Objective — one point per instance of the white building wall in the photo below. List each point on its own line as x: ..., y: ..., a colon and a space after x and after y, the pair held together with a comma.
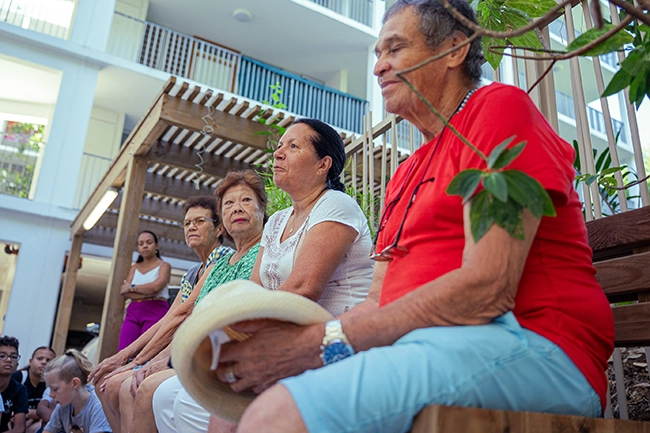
x: 33, y: 298
x: 42, y: 226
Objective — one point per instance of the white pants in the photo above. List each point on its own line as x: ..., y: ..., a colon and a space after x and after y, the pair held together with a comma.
x: 175, y: 411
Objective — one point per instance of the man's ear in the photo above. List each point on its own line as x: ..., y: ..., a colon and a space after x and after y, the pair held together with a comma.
x: 457, y: 57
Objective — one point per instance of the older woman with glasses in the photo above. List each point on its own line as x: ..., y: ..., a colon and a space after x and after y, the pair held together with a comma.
x: 203, y: 234
x: 241, y: 205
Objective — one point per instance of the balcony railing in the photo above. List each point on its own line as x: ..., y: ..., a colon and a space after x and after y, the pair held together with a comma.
x: 358, y: 10
x: 596, y: 118
x: 301, y: 96
x: 189, y: 57
x: 93, y: 168
x: 50, y: 17
x: 558, y: 28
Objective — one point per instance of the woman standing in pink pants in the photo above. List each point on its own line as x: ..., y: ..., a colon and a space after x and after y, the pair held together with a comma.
x: 146, y: 287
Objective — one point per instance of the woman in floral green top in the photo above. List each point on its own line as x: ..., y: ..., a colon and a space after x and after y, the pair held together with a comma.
x: 242, y: 207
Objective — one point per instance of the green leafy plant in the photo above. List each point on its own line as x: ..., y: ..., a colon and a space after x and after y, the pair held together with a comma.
x: 635, y: 69
x: 508, y: 15
x: 25, y: 138
x: 273, y: 131
x: 277, y: 198
x: 505, y: 193
x: 605, y: 178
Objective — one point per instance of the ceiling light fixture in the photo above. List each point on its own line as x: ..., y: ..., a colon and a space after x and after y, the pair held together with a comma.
x: 108, y: 198
x: 242, y: 15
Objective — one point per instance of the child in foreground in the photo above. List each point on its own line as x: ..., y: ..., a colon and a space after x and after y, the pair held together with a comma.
x: 79, y: 410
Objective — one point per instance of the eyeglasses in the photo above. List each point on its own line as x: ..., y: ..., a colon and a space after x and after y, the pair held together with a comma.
x: 394, y: 250
x: 198, y: 222
x: 4, y: 356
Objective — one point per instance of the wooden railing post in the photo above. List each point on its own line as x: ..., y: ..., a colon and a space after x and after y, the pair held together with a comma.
x: 127, y: 228
x: 66, y: 297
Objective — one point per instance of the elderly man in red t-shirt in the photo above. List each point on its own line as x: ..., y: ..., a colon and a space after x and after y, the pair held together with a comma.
x: 501, y: 323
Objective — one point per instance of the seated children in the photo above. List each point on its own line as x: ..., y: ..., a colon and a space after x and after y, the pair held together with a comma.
x: 32, y: 378
x: 14, y: 394
x: 79, y: 409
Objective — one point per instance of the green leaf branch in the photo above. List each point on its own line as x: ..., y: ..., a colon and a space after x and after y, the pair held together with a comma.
x: 505, y: 193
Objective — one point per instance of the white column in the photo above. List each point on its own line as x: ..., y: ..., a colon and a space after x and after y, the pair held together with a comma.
x: 59, y: 173
x: 92, y: 23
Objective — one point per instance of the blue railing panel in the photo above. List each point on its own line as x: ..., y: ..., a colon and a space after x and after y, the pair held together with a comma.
x: 302, y: 96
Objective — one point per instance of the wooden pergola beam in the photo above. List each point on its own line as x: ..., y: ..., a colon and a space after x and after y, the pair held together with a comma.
x: 138, y: 143
x: 187, y: 115
x: 155, y: 208
x: 113, y: 309
x: 179, y: 189
x: 66, y: 297
x: 162, y: 230
x: 105, y: 236
x: 176, y: 155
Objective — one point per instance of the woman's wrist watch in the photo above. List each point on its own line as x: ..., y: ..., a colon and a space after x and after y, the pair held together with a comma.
x: 335, y: 345
x: 132, y: 288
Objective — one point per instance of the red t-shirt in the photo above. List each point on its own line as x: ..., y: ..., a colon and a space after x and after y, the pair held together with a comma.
x: 558, y: 296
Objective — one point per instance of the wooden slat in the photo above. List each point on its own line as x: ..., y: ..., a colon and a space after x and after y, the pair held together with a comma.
x: 188, y: 115
x: 174, y: 188
x: 185, y: 158
x: 624, y: 278
x: 105, y: 236
x: 445, y: 419
x: 162, y: 230
x: 619, y: 234
x: 632, y: 324
x: 155, y: 208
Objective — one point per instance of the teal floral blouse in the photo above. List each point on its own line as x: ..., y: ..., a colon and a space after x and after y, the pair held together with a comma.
x: 224, y: 272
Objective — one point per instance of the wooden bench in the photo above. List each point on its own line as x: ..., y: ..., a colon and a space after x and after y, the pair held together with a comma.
x: 621, y: 246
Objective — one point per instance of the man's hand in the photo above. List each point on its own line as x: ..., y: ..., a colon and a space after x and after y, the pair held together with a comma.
x: 106, y: 367
x: 275, y: 351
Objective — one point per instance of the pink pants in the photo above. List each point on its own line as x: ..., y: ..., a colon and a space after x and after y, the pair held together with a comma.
x: 141, y: 316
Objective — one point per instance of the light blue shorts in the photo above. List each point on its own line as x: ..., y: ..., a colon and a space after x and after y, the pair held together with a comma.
x: 497, y: 366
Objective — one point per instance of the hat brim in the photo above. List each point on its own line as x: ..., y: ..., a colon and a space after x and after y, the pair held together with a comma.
x: 230, y: 303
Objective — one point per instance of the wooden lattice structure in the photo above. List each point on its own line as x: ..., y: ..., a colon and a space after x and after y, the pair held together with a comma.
x: 186, y: 142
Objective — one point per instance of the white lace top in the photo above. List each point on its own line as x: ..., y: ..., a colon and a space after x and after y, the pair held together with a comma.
x: 351, y: 281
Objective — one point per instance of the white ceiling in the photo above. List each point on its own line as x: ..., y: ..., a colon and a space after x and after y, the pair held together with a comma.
x: 25, y: 82
x: 282, y: 33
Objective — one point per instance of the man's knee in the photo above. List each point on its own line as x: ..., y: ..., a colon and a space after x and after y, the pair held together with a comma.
x: 275, y: 411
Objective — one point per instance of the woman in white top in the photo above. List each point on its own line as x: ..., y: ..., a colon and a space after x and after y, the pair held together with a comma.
x: 319, y: 246
x: 146, y: 287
